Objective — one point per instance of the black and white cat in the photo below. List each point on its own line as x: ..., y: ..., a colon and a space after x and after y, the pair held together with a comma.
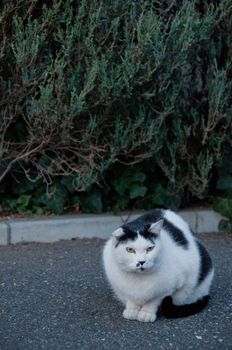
x: 156, y: 259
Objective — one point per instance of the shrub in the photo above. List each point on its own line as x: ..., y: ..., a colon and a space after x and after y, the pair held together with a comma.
x: 223, y: 197
x: 89, y: 86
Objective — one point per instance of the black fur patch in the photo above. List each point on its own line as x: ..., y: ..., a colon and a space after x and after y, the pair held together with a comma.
x: 144, y: 221
x: 128, y: 235
x: 176, y: 234
x: 141, y: 225
x: 206, y: 262
x: 131, y: 236
x: 169, y: 310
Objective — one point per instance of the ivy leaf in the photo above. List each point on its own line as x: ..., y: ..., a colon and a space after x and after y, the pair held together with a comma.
x: 121, y: 185
x: 138, y: 177
x: 24, y: 200
x: 159, y: 196
x: 137, y: 191
x: 67, y: 181
x: 223, y: 206
x: 54, y: 199
x: 127, y: 180
x: 22, y: 187
x: 38, y: 210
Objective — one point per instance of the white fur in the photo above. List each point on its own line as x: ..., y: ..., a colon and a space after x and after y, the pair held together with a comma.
x: 168, y: 270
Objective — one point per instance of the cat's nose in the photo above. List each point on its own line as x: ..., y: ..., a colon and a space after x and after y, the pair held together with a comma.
x: 141, y: 262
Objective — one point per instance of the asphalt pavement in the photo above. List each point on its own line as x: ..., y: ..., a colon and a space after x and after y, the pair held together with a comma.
x: 55, y: 296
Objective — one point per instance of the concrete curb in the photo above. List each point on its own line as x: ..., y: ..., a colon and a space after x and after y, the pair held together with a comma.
x: 88, y: 226
x: 4, y: 233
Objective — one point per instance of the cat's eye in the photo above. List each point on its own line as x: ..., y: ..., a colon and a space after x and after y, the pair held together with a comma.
x: 149, y: 249
x: 130, y: 250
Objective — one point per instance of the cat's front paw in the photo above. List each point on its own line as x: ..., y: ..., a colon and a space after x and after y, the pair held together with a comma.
x: 145, y: 316
x: 130, y: 314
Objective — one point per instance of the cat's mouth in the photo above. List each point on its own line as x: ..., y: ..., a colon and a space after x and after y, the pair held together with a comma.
x: 142, y: 269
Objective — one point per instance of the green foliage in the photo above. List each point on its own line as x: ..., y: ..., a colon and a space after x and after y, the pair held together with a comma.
x: 131, y: 182
x: 223, y: 201
x: 54, y: 198
x: 21, y: 205
x: 112, y: 105
x: 92, y: 202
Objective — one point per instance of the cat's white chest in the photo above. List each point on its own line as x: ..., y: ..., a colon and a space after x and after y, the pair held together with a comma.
x: 141, y: 288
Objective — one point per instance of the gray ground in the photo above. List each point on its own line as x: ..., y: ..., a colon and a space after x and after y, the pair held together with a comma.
x: 54, y: 296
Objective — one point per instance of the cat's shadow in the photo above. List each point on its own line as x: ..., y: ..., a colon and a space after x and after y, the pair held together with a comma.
x: 105, y: 304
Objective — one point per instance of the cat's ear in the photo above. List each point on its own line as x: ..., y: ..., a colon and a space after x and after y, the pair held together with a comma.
x: 156, y: 227
x: 118, y: 233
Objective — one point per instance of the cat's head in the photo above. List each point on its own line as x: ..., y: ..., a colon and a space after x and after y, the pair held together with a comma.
x: 137, y: 250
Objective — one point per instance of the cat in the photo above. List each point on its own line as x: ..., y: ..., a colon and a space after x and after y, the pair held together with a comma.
x: 154, y: 260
